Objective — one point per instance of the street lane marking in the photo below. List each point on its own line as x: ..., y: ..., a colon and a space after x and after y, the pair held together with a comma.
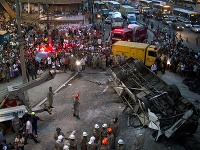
x: 105, y: 89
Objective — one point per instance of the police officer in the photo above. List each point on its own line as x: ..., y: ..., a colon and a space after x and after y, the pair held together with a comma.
x: 50, y: 97
x: 76, y: 106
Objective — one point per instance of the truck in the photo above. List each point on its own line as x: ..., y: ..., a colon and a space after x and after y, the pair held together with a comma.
x: 151, y: 102
x: 15, y: 101
x: 141, y: 51
x: 117, y: 20
x: 134, y: 33
x: 125, y: 10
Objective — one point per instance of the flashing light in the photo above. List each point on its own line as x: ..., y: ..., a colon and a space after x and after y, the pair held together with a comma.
x: 42, y: 49
x: 98, y: 16
x: 192, y: 15
x: 78, y: 63
x: 168, y: 62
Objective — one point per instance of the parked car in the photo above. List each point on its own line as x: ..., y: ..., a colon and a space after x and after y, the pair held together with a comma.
x: 173, y: 18
x: 195, y: 28
x: 108, y: 20
x: 177, y: 26
x: 167, y: 21
x: 187, y: 24
x: 137, y: 12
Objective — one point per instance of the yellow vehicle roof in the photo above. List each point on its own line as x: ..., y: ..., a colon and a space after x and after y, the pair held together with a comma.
x: 131, y: 44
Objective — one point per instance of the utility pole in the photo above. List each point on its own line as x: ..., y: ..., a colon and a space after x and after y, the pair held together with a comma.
x: 21, y: 42
x: 47, y: 11
x: 22, y: 58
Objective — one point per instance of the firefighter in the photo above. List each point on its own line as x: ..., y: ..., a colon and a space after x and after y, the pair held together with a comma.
x: 120, y: 145
x: 91, y: 145
x: 76, y: 106
x: 111, y: 139
x: 73, y: 143
x: 50, y: 97
x: 57, y: 133
x: 105, y: 145
x: 104, y: 131
x: 59, y: 143
x: 84, y: 140
x: 97, y: 133
x: 115, y: 127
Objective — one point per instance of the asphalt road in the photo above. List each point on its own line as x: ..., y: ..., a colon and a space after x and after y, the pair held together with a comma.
x: 186, y: 33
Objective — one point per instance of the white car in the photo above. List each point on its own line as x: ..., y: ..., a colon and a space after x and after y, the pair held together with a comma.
x: 187, y: 24
x: 195, y: 28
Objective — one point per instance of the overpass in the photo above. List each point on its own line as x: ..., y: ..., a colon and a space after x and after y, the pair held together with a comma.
x: 7, y: 8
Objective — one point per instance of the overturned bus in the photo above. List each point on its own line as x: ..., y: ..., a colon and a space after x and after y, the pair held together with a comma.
x: 152, y: 102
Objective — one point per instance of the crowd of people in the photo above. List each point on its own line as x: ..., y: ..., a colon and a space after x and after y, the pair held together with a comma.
x: 64, y: 45
x: 178, y: 57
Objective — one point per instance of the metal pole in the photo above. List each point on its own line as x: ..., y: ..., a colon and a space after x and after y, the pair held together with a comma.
x: 47, y: 11
x: 21, y: 42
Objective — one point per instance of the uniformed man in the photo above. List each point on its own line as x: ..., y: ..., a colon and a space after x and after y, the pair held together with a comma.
x: 105, y: 145
x: 104, y: 62
x: 114, y: 125
x: 111, y: 139
x: 104, y: 131
x: 97, y: 133
x: 73, y: 143
x: 120, y: 145
x: 84, y: 141
x: 59, y: 143
x: 91, y: 145
x: 57, y: 133
x: 50, y: 97
x: 100, y: 57
x: 76, y: 106
x: 94, y: 62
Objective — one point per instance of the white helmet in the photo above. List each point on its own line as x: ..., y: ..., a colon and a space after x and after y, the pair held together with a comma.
x: 60, y: 137
x: 66, y: 147
x: 85, y: 134
x: 72, y: 137
x: 91, y: 140
x: 96, y: 126
x: 104, y: 125
x: 120, y: 141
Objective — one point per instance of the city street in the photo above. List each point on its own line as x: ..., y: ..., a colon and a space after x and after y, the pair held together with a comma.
x: 80, y: 55
x: 99, y: 103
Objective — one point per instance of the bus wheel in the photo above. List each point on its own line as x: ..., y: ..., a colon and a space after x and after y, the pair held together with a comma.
x: 2, y: 128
